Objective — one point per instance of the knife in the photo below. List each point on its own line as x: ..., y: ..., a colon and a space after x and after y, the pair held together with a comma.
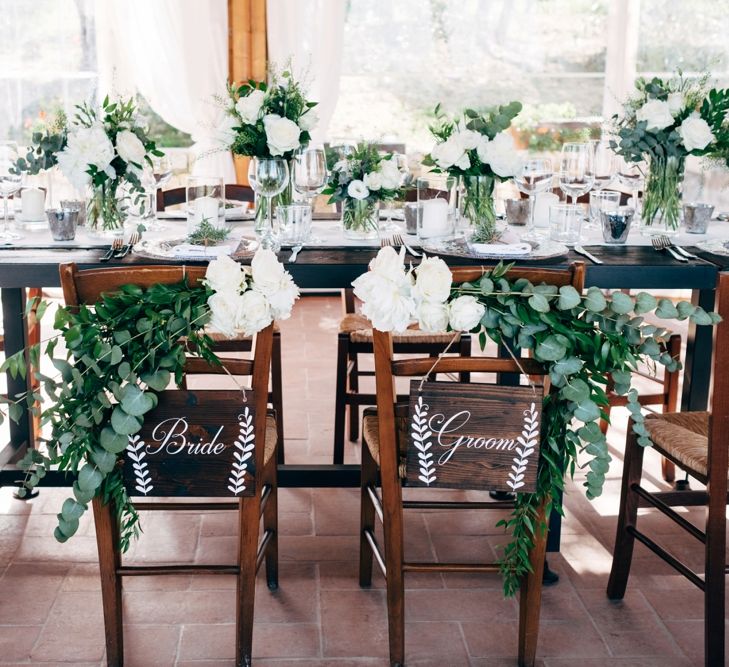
x: 581, y: 251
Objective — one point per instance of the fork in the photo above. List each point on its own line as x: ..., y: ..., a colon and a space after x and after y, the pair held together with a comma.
x: 133, y: 240
x: 659, y: 243
x: 115, y: 247
x: 386, y: 241
x: 397, y: 239
x: 667, y: 242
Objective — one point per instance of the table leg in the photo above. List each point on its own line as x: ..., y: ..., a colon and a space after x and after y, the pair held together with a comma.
x: 15, y: 334
x: 697, y: 366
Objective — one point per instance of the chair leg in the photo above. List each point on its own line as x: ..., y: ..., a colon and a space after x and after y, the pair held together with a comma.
x: 714, y: 594
x: 530, y: 598
x: 464, y: 349
x: 277, y: 391
x: 395, y: 580
x: 627, y: 517
x: 111, y: 589
x: 368, y: 477
x: 340, y: 402
x: 250, y: 509
x: 353, y: 408
x: 270, y: 523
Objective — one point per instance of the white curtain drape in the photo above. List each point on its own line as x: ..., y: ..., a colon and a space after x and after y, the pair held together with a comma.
x: 621, y: 55
x: 175, y: 54
x: 310, y: 33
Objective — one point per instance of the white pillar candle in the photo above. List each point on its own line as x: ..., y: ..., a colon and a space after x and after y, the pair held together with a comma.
x: 541, y: 208
x: 206, y: 208
x: 433, y: 218
x: 32, y: 204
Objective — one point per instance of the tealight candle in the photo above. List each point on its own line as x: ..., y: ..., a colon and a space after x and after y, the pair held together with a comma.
x: 433, y: 218
x: 32, y: 204
x: 541, y: 208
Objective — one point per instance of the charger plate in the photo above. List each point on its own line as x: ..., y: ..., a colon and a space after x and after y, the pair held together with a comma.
x: 459, y: 247
x: 166, y: 249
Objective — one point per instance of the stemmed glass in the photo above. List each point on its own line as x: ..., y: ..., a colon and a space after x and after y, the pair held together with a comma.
x: 157, y: 176
x: 9, y: 184
x: 632, y: 175
x: 533, y: 177
x: 406, y: 179
x: 310, y: 173
x: 268, y: 177
x: 604, y: 165
x: 576, y: 172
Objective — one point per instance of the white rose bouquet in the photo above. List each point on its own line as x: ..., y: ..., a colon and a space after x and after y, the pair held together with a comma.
x: 359, y: 182
x: 394, y: 296
x: 478, y: 149
x: 104, y: 149
x: 663, y: 123
x: 246, y: 300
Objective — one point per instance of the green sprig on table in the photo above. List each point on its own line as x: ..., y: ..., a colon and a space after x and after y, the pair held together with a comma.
x: 207, y: 234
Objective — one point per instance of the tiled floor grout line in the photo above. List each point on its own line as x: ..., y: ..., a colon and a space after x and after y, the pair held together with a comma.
x: 662, y: 623
x: 317, y: 576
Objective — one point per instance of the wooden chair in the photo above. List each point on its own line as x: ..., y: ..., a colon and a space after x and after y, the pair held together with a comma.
x: 696, y: 443
x: 86, y: 287
x: 355, y: 338
x: 236, y: 192
x: 175, y: 196
x: 382, y: 456
x: 666, y: 396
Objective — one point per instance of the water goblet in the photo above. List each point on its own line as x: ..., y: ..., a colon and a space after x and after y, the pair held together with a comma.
x: 268, y: 177
x: 10, y: 184
x: 576, y: 171
x: 533, y: 177
x: 604, y: 165
x: 310, y: 173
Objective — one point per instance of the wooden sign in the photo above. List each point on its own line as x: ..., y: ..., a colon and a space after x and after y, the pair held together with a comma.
x: 194, y: 443
x: 473, y: 436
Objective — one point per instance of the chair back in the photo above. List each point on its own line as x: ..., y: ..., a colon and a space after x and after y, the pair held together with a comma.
x: 193, y: 443
x: 387, y: 369
x: 174, y: 196
x: 718, y: 456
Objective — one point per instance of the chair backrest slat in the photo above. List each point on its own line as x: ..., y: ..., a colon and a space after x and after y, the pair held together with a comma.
x: 421, y: 366
x: 175, y: 196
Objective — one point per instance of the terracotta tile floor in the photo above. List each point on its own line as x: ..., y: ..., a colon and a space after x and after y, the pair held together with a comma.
x: 50, y: 604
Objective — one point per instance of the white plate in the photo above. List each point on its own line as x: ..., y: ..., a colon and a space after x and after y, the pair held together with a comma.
x: 715, y: 246
x: 458, y: 247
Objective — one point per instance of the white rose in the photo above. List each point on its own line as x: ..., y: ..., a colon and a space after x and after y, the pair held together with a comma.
x: 390, y: 306
x: 250, y: 106
x: 432, y: 316
x: 656, y: 114
x: 282, y: 300
x: 225, y: 275
x: 469, y: 139
x: 309, y: 120
x: 391, y: 176
x: 465, y: 313
x: 266, y: 271
x: 373, y: 180
x: 225, y: 312
x: 129, y: 147
x: 675, y: 103
x: 432, y: 280
x: 225, y: 133
x: 389, y: 264
x: 695, y: 133
x: 254, y: 313
x: 282, y: 134
x: 500, y: 154
x: 450, y: 153
x: 86, y: 146
x: 357, y: 190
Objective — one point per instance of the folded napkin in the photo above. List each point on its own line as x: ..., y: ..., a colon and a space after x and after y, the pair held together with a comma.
x: 191, y: 250
x: 501, y: 249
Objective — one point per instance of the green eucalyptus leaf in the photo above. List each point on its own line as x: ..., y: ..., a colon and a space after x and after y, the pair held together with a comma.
x: 89, y: 478
x: 666, y: 310
x: 587, y: 411
x: 112, y: 441
x: 644, y: 303
x: 701, y: 317
x: 72, y: 509
x: 136, y: 402
x: 551, y: 349
x: 67, y: 527
x: 621, y: 303
x: 539, y: 303
x: 123, y: 423
x: 157, y: 380
x: 569, y: 298
x: 60, y: 537
x: 105, y: 461
x: 595, y: 300
x: 576, y: 390
x: 81, y: 495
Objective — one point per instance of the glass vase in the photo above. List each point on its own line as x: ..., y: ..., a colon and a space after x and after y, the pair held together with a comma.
x: 360, y: 219
x: 105, y: 210
x: 661, y: 213
x: 477, y: 207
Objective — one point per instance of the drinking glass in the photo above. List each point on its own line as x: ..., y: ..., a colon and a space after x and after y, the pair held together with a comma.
x: 604, y: 165
x: 533, y: 177
x: 565, y: 222
x: 602, y: 200
x: 9, y: 184
x: 205, y: 201
x: 632, y: 175
x: 157, y: 175
x: 294, y: 223
x: 310, y: 173
x: 268, y: 177
x: 576, y: 172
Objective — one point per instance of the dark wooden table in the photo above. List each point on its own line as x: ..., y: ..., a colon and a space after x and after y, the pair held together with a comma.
x: 625, y: 267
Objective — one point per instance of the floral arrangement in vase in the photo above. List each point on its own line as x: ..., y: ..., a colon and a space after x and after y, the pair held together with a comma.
x: 359, y: 181
x: 267, y: 120
x: 478, y: 149
x: 47, y: 140
x: 105, y: 150
x: 665, y: 121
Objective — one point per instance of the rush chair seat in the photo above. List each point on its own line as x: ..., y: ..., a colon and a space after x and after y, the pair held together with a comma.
x: 86, y: 287
x: 696, y: 443
x: 383, y: 456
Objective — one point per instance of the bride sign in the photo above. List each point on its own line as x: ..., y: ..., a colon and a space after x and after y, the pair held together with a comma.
x: 198, y: 443
x: 473, y: 436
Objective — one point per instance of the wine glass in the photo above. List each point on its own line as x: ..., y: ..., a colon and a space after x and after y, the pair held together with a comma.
x: 268, y: 177
x: 310, y: 173
x: 406, y: 178
x: 576, y: 173
x: 10, y: 184
x: 157, y: 176
x: 604, y: 165
x: 632, y: 176
x: 533, y: 177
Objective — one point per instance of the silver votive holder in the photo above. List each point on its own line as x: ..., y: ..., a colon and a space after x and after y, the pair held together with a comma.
x: 517, y: 211
x: 616, y: 224
x: 78, y: 205
x: 696, y: 217
x: 62, y: 222
x: 410, y: 211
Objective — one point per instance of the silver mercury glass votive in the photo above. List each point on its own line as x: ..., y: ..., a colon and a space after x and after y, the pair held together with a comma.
x: 62, y: 222
x: 616, y: 224
x: 696, y: 217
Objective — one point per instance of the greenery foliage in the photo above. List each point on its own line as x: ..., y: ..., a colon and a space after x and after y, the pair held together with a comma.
x: 207, y: 234
x: 46, y: 142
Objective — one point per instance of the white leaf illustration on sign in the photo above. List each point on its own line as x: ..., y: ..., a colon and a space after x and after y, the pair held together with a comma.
x: 527, y: 443
x: 421, y: 438
x: 136, y: 453
x: 244, y: 445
